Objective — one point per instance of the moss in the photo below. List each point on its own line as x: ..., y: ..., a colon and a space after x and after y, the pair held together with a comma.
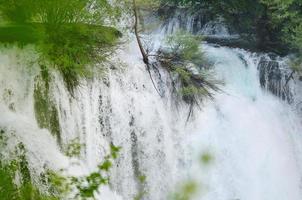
x: 45, y: 110
x: 23, y: 164
x: 74, y: 148
x: 142, y: 191
x: 7, y: 187
x: 45, y: 76
x: 58, y: 185
x: 187, y: 191
x: 3, y: 141
x: 25, y: 191
x: 206, y: 158
x: 8, y: 99
x: 41, y: 107
x: 54, y: 123
x: 18, y: 167
x: 2, y: 134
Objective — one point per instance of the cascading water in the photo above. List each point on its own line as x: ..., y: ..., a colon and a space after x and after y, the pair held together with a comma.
x: 120, y: 107
x: 253, y: 135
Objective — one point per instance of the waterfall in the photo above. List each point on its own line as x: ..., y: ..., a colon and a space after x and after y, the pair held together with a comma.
x: 118, y: 106
x: 253, y: 135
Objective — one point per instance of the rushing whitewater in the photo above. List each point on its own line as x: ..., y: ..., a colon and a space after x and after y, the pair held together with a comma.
x: 119, y: 107
x: 253, y: 136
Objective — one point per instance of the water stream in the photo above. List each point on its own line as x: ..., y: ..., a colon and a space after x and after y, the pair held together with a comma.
x: 254, y: 136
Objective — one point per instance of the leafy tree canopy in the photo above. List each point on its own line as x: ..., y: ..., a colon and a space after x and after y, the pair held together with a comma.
x: 273, y: 24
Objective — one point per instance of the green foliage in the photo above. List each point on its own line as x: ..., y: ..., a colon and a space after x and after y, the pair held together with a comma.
x: 297, y: 36
x: 59, y: 185
x: 74, y: 148
x: 186, y: 47
x: 206, y: 158
x: 185, y: 61
x: 296, y: 64
x: 145, y: 4
x: 15, y: 181
x: 273, y: 25
x: 186, y: 192
x: 22, y: 164
x: 9, y: 190
x: 88, y: 185
x: 57, y: 11
x: 23, y: 34
x: 243, y: 13
x: 68, y: 34
x: 45, y: 111
x: 141, y: 193
x: 16, y: 11
x: 3, y: 139
x: 73, y: 47
x: 287, y: 16
x: 18, y: 161
x: 83, y: 187
x: 114, y: 151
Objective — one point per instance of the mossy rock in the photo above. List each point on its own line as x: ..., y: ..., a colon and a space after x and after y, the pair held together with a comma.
x: 45, y: 110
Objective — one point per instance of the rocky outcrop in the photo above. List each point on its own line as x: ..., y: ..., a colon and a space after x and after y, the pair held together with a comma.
x: 275, y: 78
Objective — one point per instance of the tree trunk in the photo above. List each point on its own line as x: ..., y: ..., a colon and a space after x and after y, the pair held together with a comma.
x: 139, y: 42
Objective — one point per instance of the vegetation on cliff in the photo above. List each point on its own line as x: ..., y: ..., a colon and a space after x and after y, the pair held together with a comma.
x: 182, y: 58
x: 69, y: 35
x: 189, y: 69
x: 274, y: 25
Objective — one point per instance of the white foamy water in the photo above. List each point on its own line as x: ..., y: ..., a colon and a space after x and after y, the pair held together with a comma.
x: 254, y: 137
x: 118, y: 106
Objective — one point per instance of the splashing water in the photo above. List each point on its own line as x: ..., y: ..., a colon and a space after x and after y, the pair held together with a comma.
x: 254, y: 136
x: 120, y: 107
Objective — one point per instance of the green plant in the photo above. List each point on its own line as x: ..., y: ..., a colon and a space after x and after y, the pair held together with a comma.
x: 9, y: 190
x: 74, y: 148
x: 45, y: 110
x: 15, y: 181
x: 83, y: 187
x: 189, y: 69
x: 287, y: 16
x: 206, y: 158
x: 86, y: 186
x: 69, y: 35
x: 142, y: 192
x: 186, y: 191
x: 186, y: 47
x: 58, y: 185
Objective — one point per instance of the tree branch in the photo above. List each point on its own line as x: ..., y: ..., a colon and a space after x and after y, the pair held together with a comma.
x: 136, y: 31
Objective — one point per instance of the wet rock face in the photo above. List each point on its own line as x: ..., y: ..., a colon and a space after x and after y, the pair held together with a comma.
x: 275, y: 79
x: 185, y: 19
